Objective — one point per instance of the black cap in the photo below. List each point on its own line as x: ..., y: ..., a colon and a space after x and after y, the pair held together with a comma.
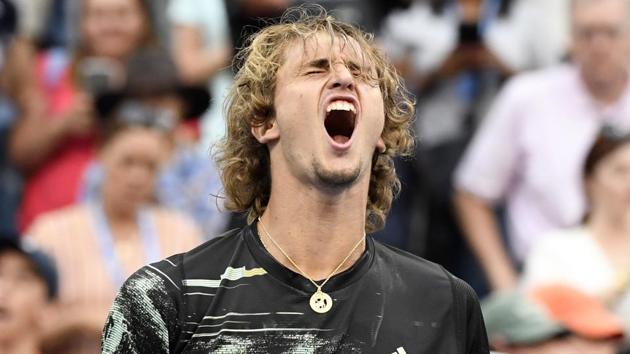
x: 152, y: 72
x: 8, y: 19
x: 44, y: 265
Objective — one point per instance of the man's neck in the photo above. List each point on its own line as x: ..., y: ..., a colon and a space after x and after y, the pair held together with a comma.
x: 316, y: 230
x: 606, y: 93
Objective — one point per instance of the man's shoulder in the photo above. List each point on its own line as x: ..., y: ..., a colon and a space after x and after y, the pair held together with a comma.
x: 439, y: 288
x: 412, y: 268
x: 539, y: 82
x: 205, y: 259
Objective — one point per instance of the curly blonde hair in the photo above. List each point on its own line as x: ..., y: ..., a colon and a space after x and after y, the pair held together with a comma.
x: 244, y: 162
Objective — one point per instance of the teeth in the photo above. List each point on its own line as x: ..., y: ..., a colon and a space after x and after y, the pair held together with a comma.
x: 340, y: 105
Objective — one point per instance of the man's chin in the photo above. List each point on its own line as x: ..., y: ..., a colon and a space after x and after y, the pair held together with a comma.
x: 337, y: 178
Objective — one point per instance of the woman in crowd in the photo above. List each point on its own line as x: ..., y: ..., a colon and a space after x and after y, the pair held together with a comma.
x: 97, y: 245
x: 594, y: 256
x: 53, y: 138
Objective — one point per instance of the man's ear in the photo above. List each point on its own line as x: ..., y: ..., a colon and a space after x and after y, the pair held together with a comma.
x: 380, y: 145
x: 266, y: 132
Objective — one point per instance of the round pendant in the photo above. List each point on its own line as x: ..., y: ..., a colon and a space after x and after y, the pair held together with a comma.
x: 321, y: 302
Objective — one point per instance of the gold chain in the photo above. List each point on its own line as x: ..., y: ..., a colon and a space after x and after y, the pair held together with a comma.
x: 319, y: 287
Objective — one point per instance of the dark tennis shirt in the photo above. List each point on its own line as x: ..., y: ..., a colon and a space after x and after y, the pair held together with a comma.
x: 230, y: 295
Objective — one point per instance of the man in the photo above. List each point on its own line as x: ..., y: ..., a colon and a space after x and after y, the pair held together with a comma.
x: 529, y: 151
x: 314, y: 118
x: 28, y: 282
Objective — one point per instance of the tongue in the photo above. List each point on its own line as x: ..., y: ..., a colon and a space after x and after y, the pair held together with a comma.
x: 341, y: 139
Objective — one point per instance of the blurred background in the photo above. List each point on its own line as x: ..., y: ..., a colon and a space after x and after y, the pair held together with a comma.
x: 519, y: 184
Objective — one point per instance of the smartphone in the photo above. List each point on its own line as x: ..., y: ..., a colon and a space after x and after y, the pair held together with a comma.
x: 469, y: 33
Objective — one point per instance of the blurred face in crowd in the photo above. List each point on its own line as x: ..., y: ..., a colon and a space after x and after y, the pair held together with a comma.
x: 601, y: 39
x: 131, y: 160
x: 23, y: 297
x: 609, y: 186
x: 113, y: 28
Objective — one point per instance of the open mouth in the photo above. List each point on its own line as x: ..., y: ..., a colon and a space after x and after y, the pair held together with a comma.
x: 340, y: 120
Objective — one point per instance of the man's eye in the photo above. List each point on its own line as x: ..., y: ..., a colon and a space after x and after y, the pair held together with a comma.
x: 313, y: 72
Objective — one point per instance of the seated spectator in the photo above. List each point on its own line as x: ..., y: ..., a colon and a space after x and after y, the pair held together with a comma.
x: 188, y: 181
x: 553, y: 319
x: 593, y: 256
x: 28, y: 285
x: 56, y: 112
x: 530, y: 148
x: 98, y: 244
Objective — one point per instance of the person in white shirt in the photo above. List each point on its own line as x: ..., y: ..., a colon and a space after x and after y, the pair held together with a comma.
x: 529, y: 150
x: 593, y: 257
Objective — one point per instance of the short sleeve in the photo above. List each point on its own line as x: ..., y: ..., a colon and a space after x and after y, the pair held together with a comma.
x: 427, y: 38
x: 490, y: 162
x: 144, y: 315
x: 183, y: 12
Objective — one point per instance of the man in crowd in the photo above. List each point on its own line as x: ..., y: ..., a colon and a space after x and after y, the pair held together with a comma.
x: 529, y: 151
x: 315, y: 116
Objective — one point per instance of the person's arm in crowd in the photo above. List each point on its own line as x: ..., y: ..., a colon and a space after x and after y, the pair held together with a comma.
x: 485, y: 177
x: 480, y: 228
x: 35, y: 137
x: 195, y: 62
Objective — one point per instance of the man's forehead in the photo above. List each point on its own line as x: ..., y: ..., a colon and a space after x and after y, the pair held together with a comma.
x: 323, y: 45
x: 600, y: 10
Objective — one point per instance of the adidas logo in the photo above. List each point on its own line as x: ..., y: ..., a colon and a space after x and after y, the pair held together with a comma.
x: 400, y: 350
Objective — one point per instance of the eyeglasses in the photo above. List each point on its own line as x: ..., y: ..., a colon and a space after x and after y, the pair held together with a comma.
x: 614, y: 133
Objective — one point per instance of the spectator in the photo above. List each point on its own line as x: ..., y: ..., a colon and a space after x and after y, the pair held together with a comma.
x: 28, y: 285
x: 202, y: 48
x: 551, y: 319
x: 530, y: 148
x: 189, y: 181
x: 593, y: 257
x: 98, y: 244
x: 455, y: 54
x: 60, y: 102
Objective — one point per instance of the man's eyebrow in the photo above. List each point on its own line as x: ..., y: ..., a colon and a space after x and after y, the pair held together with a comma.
x: 351, y: 64
x: 321, y: 63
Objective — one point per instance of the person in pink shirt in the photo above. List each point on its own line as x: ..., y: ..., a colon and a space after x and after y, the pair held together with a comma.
x: 529, y: 150
x: 99, y: 243
x: 53, y: 139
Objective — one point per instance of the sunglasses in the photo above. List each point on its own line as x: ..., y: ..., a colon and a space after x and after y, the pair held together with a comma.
x: 614, y: 133
x: 140, y: 114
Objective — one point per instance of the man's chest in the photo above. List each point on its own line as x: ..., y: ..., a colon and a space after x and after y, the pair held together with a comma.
x: 259, y: 318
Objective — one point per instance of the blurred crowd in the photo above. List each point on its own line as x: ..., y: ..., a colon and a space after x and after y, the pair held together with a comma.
x: 520, y: 182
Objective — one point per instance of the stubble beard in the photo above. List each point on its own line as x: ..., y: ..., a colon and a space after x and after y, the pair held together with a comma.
x: 336, y: 179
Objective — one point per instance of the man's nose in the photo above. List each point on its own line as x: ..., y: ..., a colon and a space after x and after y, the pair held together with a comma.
x: 342, y: 78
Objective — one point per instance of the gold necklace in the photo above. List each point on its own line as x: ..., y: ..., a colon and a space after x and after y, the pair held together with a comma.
x: 320, y: 301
